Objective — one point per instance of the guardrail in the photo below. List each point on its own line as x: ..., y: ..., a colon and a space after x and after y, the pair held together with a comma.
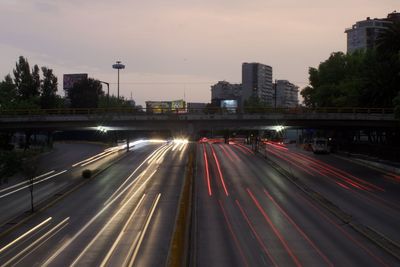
x: 247, y: 110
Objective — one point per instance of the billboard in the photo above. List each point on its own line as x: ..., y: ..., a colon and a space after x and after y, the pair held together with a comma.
x: 70, y: 79
x: 178, y: 106
x: 230, y: 105
x: 158, y: 107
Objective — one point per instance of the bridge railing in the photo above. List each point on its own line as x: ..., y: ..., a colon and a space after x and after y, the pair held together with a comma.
x: 209, y: 110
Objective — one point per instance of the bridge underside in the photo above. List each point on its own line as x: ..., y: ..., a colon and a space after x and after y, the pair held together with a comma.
x: 192, y: 123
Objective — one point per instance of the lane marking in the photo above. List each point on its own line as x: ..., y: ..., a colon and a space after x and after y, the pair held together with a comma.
x: 25, y: 234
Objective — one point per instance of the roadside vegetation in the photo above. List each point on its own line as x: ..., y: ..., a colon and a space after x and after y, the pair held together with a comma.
x: 366, y: 78
x: 35, y: 88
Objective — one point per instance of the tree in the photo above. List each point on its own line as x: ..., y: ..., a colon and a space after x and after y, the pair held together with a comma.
x: 308, y: 95
x: 396, y: 102
x: 30, y: 169
x: 361, y: 79
x: 389, y: 40
x: 27, y: 83
x: 48, y: 89
x: 211, y: 108
x: 381, y: 79
x: 8, y: 93
x: 85, y: 94
x: 113, y: 102
x: 254, y: 104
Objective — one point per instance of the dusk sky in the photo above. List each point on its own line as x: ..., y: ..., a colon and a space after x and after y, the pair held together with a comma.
x: 176, y: 46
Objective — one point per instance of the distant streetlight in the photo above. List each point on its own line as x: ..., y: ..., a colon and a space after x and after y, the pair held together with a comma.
x: 108, y: 92
x: 118, y: 66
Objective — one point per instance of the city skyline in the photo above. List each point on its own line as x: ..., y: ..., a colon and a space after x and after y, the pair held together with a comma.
x: 180, y: 49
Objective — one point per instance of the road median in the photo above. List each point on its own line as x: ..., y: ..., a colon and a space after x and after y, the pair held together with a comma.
x: 180, y: 241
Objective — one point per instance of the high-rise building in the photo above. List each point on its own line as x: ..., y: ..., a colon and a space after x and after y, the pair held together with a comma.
x: 257, y: 81
x: 224, y: 90
x: 287, y: 94
x: 363, y: 34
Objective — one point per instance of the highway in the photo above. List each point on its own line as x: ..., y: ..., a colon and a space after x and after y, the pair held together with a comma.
x: 55, y: 171
x: 123, y: 217
x: 248, y: 214
x: 245, y: 212
x: 371, y: 196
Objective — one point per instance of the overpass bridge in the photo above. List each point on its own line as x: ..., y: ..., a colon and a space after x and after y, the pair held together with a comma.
x: 131, y: 119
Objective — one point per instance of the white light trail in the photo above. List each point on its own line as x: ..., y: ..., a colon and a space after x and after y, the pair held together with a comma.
x: 62, y: 248
x: 24, y: 182
x: 162, y: 156
x: 114, y: 245
x: 144, y: 231
x: 36, y: 242
x: 131, y: 175
x: 37, y: 182
x: 159, y: 152
x: 25, y: 234
x: 102, y: 230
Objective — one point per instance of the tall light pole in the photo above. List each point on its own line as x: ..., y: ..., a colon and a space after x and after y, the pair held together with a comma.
x: 118, y: 66
x: 108, y: 92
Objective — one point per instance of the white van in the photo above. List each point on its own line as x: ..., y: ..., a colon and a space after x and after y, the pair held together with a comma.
x: 320, y: 145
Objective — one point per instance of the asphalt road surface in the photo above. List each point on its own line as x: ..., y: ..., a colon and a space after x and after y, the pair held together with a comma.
x: 123, y: 217
x: 371, y: 196
x: 248, y: 214
x: 54, y: 171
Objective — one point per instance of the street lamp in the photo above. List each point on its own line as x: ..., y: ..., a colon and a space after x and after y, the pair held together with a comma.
x: 118, y: 66
x: 108, y: 92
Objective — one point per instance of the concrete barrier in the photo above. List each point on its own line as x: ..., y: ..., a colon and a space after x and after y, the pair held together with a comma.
x: 179, y: 247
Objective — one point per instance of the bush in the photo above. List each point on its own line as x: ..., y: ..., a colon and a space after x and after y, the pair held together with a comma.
x: 10, y: 163
x: 86, y: 174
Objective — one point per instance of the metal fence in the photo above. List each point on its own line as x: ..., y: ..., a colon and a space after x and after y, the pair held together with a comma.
x: 143, y: 111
